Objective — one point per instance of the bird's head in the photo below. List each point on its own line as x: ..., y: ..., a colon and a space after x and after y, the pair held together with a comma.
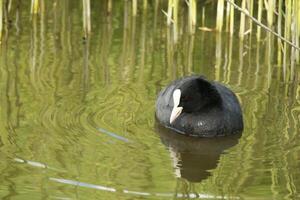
x: 193, y: 96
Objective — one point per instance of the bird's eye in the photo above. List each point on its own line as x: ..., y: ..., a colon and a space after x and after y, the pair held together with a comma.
x: 185, y: 98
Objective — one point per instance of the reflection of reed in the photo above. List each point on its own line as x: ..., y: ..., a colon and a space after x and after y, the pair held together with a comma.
x: 241, y: 62
x: 228, y: 58
x: 85, y: 66
x: 132, y: 43
x: 143, y: 43
x: 34, y: 51
x: 129, y: 41
x: 12, y: 90
x: 107, y: 35
x: 171, y: 58
x: 269, y: 56
x: 218, y: 55
x: 189, y: 53
x: 180, y: 51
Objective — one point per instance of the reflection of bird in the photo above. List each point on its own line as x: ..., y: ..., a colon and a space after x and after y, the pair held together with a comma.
x: 198, y: 107
x: 192, y: 159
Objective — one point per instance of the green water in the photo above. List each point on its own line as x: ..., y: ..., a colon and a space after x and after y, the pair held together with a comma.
x: 77, y: 116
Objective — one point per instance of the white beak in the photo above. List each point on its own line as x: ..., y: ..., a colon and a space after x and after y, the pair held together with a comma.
x: 176, y: 110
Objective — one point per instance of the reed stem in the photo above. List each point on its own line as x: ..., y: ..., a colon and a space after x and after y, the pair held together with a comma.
x: 1, y: 19
x: 296, y: 25
x: 231, y: 29
x: 86, y: 17
x: 170, y: 11
x: 250, y: 8
x: 279, y: 28
x: 175, y: 19
x: 34, y: 6
x: 220, y: 14
x: 270, y: 12
x: 203, y: 16
x: 192, y: 15
x: 228, y: 8
x: 109, y: 6
x: 259, y: 16
x: 9, y: 6
x: 134, y: 7
x: 145, y: 4
x: 242, y: 20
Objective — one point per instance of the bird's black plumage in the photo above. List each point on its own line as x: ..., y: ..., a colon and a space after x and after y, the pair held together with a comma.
x: 209, y: 108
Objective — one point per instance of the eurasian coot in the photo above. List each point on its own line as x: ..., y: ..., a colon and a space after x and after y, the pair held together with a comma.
x: 198, y: 107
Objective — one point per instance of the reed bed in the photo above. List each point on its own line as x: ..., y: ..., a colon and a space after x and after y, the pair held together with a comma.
x: 280, y: 18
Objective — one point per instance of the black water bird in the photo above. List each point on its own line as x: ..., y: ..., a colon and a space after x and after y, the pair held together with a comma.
x: 198, y: 107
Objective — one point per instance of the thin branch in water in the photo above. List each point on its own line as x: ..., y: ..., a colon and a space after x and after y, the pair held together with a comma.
x: 167, y: 15
x: 247, y: 32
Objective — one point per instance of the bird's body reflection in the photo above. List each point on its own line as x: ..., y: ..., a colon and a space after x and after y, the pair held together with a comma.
x: 193, y: 158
